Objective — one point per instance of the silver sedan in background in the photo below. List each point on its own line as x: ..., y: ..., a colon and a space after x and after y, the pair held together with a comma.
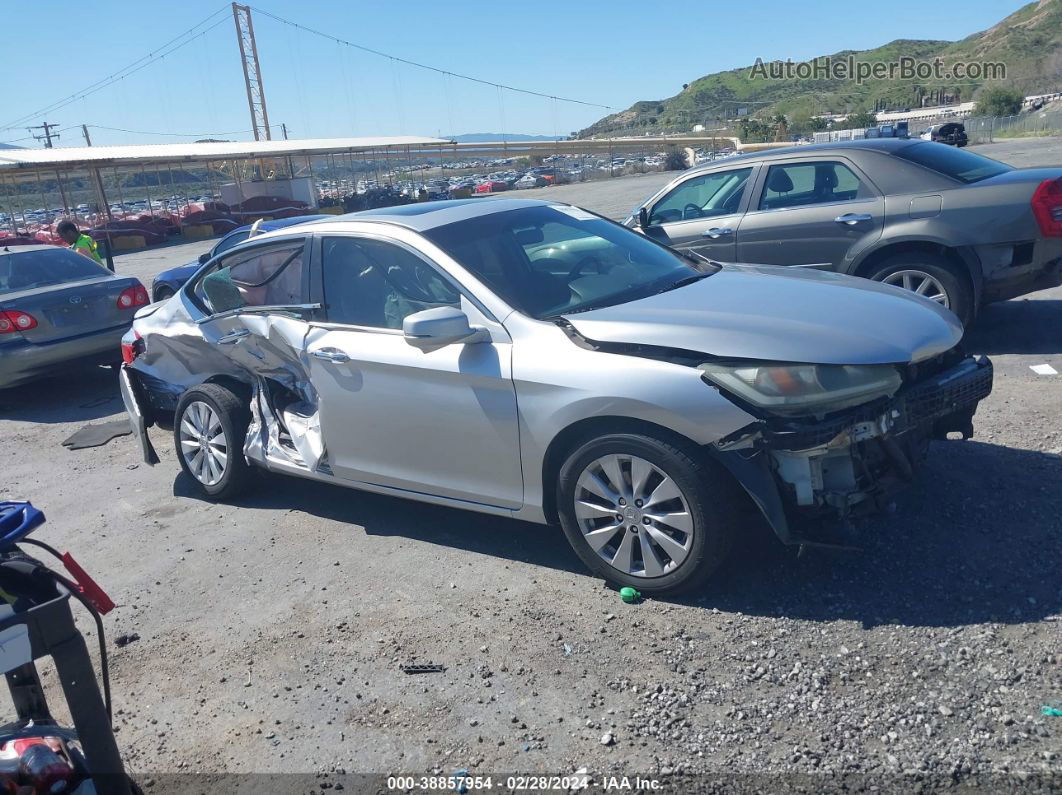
x: 533, y: 360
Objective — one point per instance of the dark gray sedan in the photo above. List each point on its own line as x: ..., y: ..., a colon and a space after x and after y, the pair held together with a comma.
x: 948, y: 224
x: 58, y: 308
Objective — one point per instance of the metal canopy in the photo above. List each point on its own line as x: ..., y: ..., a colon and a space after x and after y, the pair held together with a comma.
x: 147, y: 154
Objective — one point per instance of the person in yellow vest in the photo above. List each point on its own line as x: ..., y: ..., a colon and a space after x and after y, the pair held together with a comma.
x: 82, y: 244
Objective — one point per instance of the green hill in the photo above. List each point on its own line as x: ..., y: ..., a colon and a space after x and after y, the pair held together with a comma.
x: 1028, y: 42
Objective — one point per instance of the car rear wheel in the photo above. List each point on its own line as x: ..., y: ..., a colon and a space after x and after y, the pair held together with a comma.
x: 645, y: 513
x: 209, y: 431
x: 931, y: 276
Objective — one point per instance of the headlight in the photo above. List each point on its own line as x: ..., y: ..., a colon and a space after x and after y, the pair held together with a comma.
x: 804, y: 388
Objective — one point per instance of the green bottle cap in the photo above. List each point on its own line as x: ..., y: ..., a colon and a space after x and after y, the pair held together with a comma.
x: 629, y: 595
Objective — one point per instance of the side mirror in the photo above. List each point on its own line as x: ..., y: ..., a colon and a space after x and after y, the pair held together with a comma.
x: 435, y: 328
x: 204, y: 257
x: 643, y: 217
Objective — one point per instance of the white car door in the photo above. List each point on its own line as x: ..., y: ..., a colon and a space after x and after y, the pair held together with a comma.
x: 442, y: 422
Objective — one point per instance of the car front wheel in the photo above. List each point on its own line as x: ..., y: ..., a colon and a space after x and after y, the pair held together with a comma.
x: 646, y: 513
x: 209, y: 431
x: 163, y: 293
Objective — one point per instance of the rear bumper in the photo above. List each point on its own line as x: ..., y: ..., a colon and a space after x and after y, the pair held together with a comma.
x: 1023, y: 280
x: 135, y: 405
x: 23, y: 361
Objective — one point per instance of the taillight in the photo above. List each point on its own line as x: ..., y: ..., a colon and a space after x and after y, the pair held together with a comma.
x: 130, y: 350
x: 12, y: 320
x: 1047, y: 207
x: 133, y: 296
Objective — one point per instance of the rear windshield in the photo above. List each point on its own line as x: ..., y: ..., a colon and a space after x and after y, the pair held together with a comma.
x: 952, y: 161
x: 25, y: 270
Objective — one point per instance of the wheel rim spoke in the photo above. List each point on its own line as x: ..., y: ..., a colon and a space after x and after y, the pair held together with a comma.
x: 590, y: 510
x: 640, y: 472
x: 666, y: 491
x: 676, y: 551
x: 611, y: 467
x: 920, y: 283
x: 650, y: 561
x: 597, y: 539
x: 679, y: 520
x: 624, y: 554
x: 593, y: 483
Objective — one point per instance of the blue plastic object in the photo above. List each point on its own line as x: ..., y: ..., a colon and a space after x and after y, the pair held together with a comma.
x: 17, y: 520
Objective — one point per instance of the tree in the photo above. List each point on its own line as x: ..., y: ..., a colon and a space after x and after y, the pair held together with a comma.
x: 999, y: 101
x: 675, y: 160
x: 861, y: 118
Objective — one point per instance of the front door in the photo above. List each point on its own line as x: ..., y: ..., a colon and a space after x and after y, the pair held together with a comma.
x: 817, y: 213
x: 702, y: 213
x: 442, y: 422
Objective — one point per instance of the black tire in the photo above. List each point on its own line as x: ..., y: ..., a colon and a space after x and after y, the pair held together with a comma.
x: 708, y: 491
x: 234, y: 416
x: 162, y: 293
x: 956, y: 284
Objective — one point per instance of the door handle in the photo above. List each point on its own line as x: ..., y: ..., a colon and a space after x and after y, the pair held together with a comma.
x: 233, y: 336
x: 853, y: 218
x: 331, y: 355
x: 716, y: 232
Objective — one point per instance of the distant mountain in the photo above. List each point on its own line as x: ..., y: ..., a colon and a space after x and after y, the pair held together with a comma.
x: 476, y: 138
x: 11, y: 146
x: 1028, y: 42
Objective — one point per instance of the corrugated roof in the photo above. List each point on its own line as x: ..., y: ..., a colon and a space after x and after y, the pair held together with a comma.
x: 75, y: 156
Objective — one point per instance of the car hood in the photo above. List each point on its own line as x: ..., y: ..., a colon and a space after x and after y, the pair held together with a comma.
x: 773, y: 313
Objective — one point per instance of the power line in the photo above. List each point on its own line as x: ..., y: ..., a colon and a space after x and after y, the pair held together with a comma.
x: 171, y: 134
x: 394, y: 58
x: 126, y: 71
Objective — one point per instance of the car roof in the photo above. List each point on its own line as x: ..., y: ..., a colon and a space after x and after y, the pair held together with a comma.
x: 885, y: 145
x: 422, y: 216
x: 23, y: 249
x: 280, y: 223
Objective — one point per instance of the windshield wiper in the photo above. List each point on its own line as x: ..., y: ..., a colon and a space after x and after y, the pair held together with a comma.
x: 683, y: 282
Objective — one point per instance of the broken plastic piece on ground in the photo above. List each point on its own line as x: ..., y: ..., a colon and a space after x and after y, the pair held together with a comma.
x: 1052, y: 710
x: 96, y: 435
x: 630, y: 595
x: 430, y: 668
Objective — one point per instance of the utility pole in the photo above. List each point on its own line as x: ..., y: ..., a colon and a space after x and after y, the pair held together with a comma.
x: 101, y: 198
x: 252, y: 72
x: 284, y: 129
x: 48, y: 134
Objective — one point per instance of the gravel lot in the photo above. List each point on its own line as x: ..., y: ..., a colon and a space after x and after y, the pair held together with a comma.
x: 271, y: 631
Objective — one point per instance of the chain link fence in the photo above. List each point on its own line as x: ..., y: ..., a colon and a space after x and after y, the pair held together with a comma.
x: 986, y: 129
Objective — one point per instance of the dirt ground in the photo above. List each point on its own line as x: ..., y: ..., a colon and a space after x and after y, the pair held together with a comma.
x: 271, y: 631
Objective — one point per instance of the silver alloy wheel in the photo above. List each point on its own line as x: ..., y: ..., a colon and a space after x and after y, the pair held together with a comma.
x: 919, y: 282
x: 633, y: 515
x: 203, y: 443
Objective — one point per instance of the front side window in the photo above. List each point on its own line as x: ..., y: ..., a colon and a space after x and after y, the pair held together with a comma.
x: 376, y: 284
x: 706, y: 196
x: 259, y: 277
x: 799, y: 184
x: 550, y: 260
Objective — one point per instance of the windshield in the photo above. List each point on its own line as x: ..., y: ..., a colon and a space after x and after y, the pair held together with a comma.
x: 552, y: 260
x: 26, y: 270
x: 953, y: 162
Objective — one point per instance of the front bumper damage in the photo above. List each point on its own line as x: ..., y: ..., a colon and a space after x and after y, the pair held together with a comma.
x: 853, y: 461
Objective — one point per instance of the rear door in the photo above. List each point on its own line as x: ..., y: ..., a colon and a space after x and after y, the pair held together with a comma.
x: 811, y: 212
x: 703, y: 212
x: 67, y: 294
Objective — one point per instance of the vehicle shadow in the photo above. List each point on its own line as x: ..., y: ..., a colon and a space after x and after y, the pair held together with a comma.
x: 1017, y: 327
x: 381, y: 515
x: 976, y: 539
x: 79, y: 394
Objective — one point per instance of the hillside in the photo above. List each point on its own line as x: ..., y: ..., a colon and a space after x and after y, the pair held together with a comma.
x: 1029, y: 42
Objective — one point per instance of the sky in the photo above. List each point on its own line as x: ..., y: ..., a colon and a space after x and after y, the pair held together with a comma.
x: 608, y: 52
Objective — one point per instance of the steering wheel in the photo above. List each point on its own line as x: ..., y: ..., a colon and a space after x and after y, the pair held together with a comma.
x: 691, y: 210
x: 573, y: 274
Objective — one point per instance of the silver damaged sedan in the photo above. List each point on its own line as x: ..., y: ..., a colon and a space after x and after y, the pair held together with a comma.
x: 533, y: 360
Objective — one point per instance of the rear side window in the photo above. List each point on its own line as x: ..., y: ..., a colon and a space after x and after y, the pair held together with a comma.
x: 259, y: 277
x: 45, y: 267
x: 376, y: 284
x: 952, y: 162
x: 798, y: 184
